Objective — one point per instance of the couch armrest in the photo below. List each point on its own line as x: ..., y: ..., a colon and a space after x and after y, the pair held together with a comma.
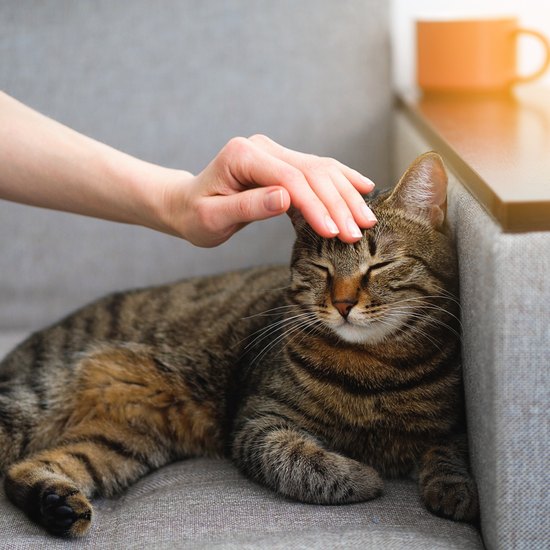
x: 505, y: 296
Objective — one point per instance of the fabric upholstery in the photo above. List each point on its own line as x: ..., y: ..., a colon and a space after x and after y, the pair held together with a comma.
x: 203, y: 504
x: 506, y: 317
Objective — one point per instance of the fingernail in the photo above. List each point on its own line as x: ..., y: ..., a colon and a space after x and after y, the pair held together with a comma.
x: 331, y: 226
x: 353, y: 228
x: 368, y: 181
x: 367, y: 212
x: 274, y: 201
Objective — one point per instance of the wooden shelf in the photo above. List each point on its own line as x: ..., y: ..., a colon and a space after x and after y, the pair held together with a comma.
x: 499, y: 145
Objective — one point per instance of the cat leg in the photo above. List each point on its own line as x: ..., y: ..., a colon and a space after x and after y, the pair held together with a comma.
x: 273, y: 451
x: 16, y: 424
x: 446, y: 485
x: 54, y: 486
x: 125, y: 418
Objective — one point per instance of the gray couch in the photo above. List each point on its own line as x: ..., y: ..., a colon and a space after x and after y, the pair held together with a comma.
x: 171, y: 82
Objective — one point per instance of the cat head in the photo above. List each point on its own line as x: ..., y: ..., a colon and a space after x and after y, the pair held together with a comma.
x: 402, y: 268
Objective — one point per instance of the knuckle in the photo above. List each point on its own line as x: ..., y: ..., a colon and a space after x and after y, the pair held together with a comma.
x: 236, y: 147
x: 294, y: 178
x: 340, y: 205
x: 259, y: 139
x: 245, y: 207
x: 316, y: 164
x: 330, y: 164
x: 311, y: 162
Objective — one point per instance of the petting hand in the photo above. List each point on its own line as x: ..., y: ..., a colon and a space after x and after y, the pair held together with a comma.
x: 47, y: 164
x: 256, y: 178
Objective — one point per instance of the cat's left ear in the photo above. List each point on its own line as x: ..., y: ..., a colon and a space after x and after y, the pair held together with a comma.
x: 298, y: 221
x: 422, y: 190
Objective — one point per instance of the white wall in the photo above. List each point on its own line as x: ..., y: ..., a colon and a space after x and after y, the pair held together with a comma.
x: 534, y: 14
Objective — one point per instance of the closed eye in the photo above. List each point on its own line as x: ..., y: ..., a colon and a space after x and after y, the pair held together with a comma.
x: 325, y: 269
x: 374, y: 267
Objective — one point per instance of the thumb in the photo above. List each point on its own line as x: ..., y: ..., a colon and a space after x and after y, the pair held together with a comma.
x: 252, y: 205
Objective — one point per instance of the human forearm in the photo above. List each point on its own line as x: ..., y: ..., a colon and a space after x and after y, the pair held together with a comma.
x: 47, y: 164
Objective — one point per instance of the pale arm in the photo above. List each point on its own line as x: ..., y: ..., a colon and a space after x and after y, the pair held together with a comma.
x: 45, y: 163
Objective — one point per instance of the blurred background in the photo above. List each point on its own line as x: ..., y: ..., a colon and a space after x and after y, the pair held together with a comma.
x: 533, y: 14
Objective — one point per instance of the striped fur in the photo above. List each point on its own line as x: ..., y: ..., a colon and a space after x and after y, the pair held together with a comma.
x: 318, y: 381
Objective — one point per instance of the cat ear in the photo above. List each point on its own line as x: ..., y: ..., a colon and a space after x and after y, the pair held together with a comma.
x: 296, y: 218
x: 422, y: 190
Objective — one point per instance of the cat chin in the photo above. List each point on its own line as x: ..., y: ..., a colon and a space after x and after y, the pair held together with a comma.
x: 357, y: 334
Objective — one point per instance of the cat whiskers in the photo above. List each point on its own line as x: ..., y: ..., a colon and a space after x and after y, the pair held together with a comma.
x: 272, y: 328
x: 416, y: 314
x: 299, y: 325
x: 268, y: 312
x: 406, y: 330
x: 393, y: 318
x: 448, y: 295
x: 428, y: 305
x: 313, y: 328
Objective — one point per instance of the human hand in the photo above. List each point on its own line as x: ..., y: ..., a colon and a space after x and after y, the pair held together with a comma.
x: 256, y: 178
x: 250, y: 179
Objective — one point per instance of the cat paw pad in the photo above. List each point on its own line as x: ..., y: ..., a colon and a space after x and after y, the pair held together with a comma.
x: 65, y: 512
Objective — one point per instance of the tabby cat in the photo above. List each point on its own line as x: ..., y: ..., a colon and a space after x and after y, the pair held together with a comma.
x: 316, y: 381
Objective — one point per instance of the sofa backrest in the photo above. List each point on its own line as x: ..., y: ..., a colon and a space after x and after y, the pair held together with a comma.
x: 171, y: 82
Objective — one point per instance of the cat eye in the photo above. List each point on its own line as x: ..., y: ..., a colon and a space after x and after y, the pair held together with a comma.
x: 374, y: 267
x: 325, y: 269
x: 380, y: 265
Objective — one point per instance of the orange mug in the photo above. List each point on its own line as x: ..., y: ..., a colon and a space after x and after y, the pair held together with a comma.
x: 474, y: 55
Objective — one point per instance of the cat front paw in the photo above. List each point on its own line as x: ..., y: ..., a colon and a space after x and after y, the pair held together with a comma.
x: 450, y: 498
x: 64, y: 510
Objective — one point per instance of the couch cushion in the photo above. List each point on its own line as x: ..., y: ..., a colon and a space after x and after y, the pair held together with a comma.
x: 206, y: 503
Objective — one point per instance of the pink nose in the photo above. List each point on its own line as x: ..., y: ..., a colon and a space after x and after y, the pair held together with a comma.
x: 344, y: 307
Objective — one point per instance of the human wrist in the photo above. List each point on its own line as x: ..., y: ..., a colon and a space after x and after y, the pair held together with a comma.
x: 161, y: 197
x: 135, y: 191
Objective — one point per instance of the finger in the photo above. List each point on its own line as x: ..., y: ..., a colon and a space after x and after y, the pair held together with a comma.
x: 303, y: 161
x: 363, y: 184
x: 348, y: 182
x: 250, y: 166
x: 243, y: 165
x: 248, y: 206
x: 361, y: 213
x: 337, y: 207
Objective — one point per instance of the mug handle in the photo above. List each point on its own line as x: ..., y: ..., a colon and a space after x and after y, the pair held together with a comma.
x: 544, y: 41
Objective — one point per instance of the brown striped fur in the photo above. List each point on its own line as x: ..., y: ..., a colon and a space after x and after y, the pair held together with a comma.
x: 317, y: 381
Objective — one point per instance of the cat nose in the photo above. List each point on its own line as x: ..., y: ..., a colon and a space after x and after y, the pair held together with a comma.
x: 344, y: 307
